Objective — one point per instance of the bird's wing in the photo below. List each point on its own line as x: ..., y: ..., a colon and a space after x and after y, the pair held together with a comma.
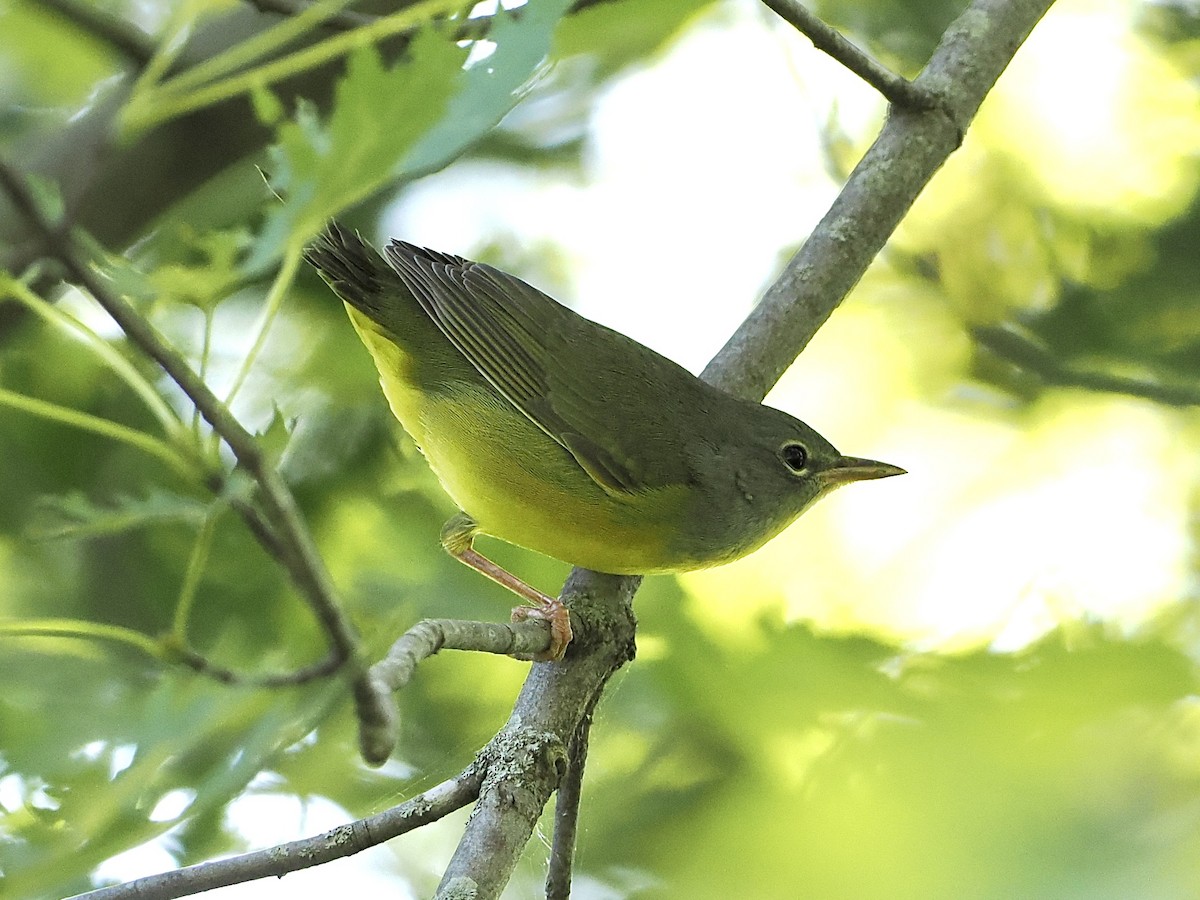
x: 519, y: 339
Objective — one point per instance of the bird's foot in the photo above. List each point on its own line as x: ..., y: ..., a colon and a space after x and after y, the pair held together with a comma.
x: 554, y: 611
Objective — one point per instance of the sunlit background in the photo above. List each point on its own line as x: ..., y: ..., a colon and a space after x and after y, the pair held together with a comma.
x: 978, y: 680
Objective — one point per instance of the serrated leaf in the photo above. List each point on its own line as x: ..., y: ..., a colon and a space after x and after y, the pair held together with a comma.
x: 274, y: 438
x: 75, y: 516
x: 212, y: 277
x: 389, y: 124
x: 378, y: 113
x: 491, y: 87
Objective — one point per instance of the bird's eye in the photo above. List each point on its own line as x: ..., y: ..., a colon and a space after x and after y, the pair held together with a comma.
x: 794, y: 456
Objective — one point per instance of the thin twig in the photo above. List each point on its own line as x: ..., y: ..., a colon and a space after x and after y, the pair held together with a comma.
x: 566, y: 811
x: 204, y: 666
x: 295, y: 548
x: 429, y: 636
x: 1028, y: 353
x: 895, y: 88
x: 277, y: 861
x: 377, y: 738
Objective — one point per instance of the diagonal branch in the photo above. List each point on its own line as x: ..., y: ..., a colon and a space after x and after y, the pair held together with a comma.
x: 912, y: 146
x: 895, y: 88
x: 277, y: 861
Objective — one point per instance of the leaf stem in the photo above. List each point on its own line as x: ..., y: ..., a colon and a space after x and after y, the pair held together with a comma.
x: 104, y: 427
x: 261, y: 45
x: 279, y: 288
x: 11, y: 287
x: 195, y: 568
x: 83, y: 629
x: 151, y: 110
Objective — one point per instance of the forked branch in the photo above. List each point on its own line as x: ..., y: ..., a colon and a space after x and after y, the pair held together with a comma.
x: 897, y: 89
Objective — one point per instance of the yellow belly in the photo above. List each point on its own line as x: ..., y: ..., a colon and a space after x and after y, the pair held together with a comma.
x: 523, y: 487
x: 518, y: 483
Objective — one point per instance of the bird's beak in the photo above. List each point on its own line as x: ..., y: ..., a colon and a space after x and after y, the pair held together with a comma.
x: 852, y: 468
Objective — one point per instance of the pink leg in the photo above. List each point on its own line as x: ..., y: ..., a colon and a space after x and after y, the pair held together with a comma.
x: 457, y: 538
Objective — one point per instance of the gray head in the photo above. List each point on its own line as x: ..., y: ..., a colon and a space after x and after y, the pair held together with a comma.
x: 761, y: 479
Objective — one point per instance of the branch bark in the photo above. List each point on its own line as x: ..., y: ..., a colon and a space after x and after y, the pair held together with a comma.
x: 912, y: 146
x: 527, y: 759
x: 345, y: 840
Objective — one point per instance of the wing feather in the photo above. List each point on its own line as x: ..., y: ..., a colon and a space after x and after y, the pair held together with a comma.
x: 514, y: 335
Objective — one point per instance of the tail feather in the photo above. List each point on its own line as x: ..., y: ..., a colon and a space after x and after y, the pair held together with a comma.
x: 350, y: 266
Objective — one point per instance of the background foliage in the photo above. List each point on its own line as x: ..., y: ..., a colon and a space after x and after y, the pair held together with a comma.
x: 979, y: 681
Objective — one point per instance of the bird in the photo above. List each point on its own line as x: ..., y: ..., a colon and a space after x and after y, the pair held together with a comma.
x: 560, y: 435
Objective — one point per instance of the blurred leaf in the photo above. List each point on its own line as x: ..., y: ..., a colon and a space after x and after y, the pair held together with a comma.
x: 75, y: 516
x: 212, y: 276
x: 614, y: 36
x: 397, y: 124
x: 273, y: 440
x: 378, y: 113
x: 68, y: 61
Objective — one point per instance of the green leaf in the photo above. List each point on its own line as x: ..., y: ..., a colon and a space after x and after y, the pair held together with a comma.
x: 212, y: 277
x: 75, y: 516
x: 274, y: 439
x: 394, y: 124
x: 319, y: 168
x: 491, y: 86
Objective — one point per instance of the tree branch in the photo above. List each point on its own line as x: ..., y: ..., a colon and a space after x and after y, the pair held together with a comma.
x: 425, y: 639
x: 1031, y: 355
x: 277, y: 861
x: 295, y: 546
x: 912, y: 146
x: 896, y: 89
x: 430, y: 636
x: 566, y: 811
x: 527, y: 758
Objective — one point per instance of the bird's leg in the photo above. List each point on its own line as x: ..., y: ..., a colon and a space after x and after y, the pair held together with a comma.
x: 458, y: 536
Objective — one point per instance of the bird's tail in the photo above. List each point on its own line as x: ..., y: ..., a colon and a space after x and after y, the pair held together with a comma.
x: 355, y: 272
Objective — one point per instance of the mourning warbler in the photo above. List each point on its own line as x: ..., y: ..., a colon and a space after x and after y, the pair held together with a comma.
x: 560, y: 435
